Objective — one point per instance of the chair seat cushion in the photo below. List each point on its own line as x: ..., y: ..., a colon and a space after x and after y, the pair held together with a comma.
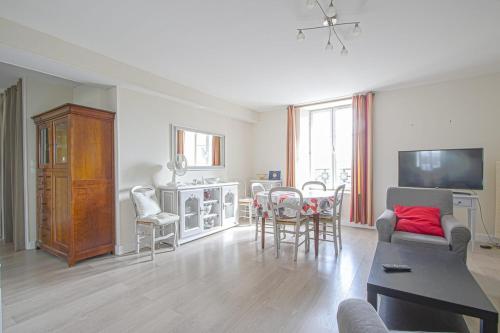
x: 401, y: 237
x: 419, y: 220
x: 291, y: 221
x: 160, y: 219
x: 146, y: 203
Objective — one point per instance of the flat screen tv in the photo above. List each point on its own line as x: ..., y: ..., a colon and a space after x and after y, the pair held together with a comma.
x: 443, y: 168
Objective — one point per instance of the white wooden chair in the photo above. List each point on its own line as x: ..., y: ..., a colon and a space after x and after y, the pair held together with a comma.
x: 331, y: 220
x: 246, y: 209
x: 298, y: 221
x: 316, y: 185
x: 257, y: 188
x: 150, y: 221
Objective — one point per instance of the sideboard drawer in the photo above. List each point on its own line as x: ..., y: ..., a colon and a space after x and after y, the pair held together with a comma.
x: 462, y: 202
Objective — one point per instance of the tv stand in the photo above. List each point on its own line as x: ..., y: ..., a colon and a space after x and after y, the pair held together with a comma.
x: 469, y: 202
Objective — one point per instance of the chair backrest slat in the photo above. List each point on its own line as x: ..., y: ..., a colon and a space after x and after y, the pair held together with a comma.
x: 140, y: 189
x: 315, y: 184
x: 295, y: 205
x: 339, y: 198
x: 257, y: 188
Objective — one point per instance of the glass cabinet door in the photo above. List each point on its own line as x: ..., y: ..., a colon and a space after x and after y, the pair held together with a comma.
x: 189, y: 207
x: 61, y: 141
x: 230, y: 204
x: 44, y: 142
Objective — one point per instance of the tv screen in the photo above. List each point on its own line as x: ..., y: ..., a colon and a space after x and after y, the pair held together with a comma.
x: 444, y: 168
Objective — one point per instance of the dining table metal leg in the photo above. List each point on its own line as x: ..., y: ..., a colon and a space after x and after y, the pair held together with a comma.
x: 263, y: 231
x: 316, y: 233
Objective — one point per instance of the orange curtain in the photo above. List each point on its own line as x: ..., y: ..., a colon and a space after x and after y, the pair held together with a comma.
x: 216, y: 150
x: 290, y: 146
x: 180, y: 142
x: 362, y: 166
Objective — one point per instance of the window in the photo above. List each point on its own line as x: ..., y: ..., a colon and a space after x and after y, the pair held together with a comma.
x: 325, y: 144
x: 198, y: 148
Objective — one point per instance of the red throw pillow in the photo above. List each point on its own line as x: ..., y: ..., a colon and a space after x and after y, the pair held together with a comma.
x: 419, y: 220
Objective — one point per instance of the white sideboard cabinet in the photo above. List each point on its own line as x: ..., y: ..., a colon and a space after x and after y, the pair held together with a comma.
x: 203, y: 209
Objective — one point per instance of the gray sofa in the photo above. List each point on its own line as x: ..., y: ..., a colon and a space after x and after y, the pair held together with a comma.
x: 358, y: 316
x: 457, y: 236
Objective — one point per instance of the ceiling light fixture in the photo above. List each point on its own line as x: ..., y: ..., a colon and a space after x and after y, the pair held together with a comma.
x: 329, y: 46
x: 357, y: 30
x: 301, y: 36
x: 329, y: 22
x: 331, y: 11
x: 310, y: 3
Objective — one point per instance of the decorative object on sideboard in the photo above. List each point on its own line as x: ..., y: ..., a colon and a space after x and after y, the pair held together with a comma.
x: 274, y: 175
x: 330, y: 21
x: 178, y: 166
x: 261, y: 176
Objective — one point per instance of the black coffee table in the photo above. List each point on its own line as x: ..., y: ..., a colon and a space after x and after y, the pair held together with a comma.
x: 439, y: 279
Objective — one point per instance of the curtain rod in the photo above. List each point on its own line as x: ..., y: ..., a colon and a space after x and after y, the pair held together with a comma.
x: 339, y: 99
x: 324, y: 102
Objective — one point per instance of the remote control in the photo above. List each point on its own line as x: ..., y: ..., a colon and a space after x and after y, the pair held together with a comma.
x: 396, y: 268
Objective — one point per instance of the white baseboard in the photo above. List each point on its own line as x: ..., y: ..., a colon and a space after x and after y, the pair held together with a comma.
x: 31, y: 245
x: 125, y: 248
x: 483, y: 238
x: 357, y: 225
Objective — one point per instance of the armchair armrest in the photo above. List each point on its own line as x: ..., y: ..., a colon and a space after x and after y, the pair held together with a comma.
x: 358, y: 316
x: 385, y: 225
x: 457, y: 235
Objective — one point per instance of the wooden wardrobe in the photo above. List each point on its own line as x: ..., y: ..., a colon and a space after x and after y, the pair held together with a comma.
x: 75, y: 182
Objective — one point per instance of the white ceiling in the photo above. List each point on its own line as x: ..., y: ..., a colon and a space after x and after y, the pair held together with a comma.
x: 246, y: 51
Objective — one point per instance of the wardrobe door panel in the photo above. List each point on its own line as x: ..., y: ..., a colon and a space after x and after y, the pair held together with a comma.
x: 93, y: 214
x: 61, y: 225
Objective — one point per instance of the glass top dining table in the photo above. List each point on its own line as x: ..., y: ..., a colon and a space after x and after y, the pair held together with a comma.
x: 314, y: 203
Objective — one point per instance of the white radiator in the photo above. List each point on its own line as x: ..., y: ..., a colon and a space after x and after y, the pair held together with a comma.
x: 497, y: 202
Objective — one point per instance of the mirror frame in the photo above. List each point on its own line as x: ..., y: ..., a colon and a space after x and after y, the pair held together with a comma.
x: 173, y: 146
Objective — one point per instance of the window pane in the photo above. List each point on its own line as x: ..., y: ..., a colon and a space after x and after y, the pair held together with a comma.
x: 61, y: 151
x: 321, y: 146
x: 189, y: 150
x: 203, y: 149
x: 343, y: 146
x: 322, y: 131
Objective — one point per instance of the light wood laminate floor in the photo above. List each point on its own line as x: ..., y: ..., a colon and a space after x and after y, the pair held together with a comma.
x: 222, y: 283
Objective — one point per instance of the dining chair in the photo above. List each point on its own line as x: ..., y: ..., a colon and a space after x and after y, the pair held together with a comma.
x: 316, y: 185
x: 331, y: 218
x: 149, y: 218
x: 295, y: 219
x: 257, y: 188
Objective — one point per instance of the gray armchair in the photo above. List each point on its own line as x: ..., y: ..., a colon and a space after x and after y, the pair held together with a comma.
x: 359, y: 316
x: 457, y: 236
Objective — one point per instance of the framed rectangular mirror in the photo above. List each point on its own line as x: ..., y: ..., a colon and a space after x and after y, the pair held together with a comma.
x: 203, y: 150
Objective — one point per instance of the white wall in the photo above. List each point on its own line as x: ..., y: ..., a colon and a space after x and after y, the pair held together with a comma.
x: 269, y: 137
x: 42, y: 94
x: 95, y: 97
x: 143, y: 122
x: 455, y: 114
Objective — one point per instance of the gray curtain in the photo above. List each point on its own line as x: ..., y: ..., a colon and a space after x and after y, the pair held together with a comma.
x: 12, y: 167
x: 2, y: 131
